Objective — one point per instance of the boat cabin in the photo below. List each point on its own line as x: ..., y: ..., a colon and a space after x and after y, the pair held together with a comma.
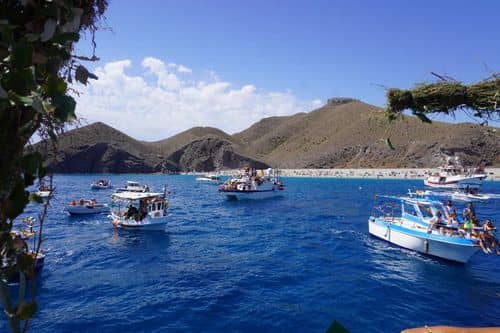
x: 419, y: 211
x: 139, y: 205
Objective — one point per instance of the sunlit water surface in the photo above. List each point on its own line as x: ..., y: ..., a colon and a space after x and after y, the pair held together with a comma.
x: 289, y: 264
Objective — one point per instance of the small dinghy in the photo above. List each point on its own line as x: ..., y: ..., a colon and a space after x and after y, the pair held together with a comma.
x: 21, y: 238
x: 100, y: 184
x: 209, y: 179
x: 85, y: 207
x: 471, y: 196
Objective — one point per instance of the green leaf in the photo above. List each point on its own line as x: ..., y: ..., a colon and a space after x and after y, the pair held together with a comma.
x: 25, y: 262
x: 16, y: 201
x: 3, y: 93
x: 21, y: 81
x: 65, y: 108
x: 31, y: 162
x: 22, y: 54
x: 49, y: 28
x: 35, y: 198
x: 54, y: 86
x: 82, y: 75
x: 336, y: 327
x: 423, y: 117
x: 26, y: 310
x: 22, y: 100
x: 37, y: 105
x: 65, y: 37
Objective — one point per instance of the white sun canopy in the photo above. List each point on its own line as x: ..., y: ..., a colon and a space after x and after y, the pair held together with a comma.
x: 135, y: 195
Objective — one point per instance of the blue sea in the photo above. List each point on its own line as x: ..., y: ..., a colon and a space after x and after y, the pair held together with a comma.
x: 288, y: 264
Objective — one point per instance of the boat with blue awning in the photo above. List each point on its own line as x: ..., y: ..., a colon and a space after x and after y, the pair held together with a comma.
x: 408, y: 222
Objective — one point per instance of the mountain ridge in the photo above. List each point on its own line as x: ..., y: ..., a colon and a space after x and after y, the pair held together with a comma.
x: 343, y: 133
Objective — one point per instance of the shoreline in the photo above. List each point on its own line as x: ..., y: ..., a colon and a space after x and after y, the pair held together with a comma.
x: 375, y: 173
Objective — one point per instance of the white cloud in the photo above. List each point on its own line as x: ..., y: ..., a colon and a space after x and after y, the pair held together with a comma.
x: 157, y: 103
x: 184, y: 69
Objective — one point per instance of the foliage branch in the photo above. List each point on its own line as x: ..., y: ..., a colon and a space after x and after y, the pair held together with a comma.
x: 37, y: 64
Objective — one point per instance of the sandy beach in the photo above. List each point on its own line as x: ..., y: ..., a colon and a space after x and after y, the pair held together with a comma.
x: 493, y: 173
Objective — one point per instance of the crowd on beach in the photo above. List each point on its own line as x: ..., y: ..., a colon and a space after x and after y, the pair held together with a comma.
x: 470, y: 226
x: 494, y: 173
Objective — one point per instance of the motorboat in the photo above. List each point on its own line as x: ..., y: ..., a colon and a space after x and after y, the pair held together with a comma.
x: 14, y: 277
x: 252, y: 184
x: 209, y: 179
x: 469, y: 196
x: 132, y: 186
x: 100, y: 184
x: 21, y: 238
x: 44, y: 191
x: 139, y: 210
x: 454, y: 175
x: 409, y: 226
x: 86, y: 207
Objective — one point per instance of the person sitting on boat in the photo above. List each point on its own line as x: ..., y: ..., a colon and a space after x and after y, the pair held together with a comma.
x: 452, y: 224
x: 143, y: 209
x: 448, y: 208
x: 489, y: 236
x: 469, y: 211
x: 437, y: 222
x: 131, y: 212
x: 467, y: 228
x: 82, y: 202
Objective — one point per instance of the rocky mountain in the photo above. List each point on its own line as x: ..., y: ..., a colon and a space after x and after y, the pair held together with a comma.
x: 347, y: 133
x: 343, y: 133
x: 99, y: 148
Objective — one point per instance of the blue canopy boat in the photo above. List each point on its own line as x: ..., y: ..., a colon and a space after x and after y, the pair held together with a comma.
x: 408, y: 224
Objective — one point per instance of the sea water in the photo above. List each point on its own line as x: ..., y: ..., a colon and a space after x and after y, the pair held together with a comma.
x: 288, y: 264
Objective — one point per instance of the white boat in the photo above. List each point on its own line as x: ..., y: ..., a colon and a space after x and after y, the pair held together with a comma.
x: 411, y: 230
x: 100, y: 184
x: 209, y: 179
x: 252, y: 184
x: 43, y: 194
x: 468, y: 196
x: 139, y: 210
x: 85, y: 207
x: 21, y: 238
x: 132, y: 186
x: 44, y: 191
x: 454, y: 175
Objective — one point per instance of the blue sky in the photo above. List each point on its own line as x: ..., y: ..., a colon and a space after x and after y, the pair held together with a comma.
x: 307, y: 51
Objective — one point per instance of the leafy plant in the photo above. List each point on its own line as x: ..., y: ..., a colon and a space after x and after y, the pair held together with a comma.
x: 37, y: 62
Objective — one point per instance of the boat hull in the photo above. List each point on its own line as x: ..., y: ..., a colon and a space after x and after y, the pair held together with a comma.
x: 146, y: 224
x: 469, y: 197
x: 251, y: 195
x: 15, y: 277
x: 473, y: 182
x: 99, y: 187
x: 428, y: 244
x: 208, y: 181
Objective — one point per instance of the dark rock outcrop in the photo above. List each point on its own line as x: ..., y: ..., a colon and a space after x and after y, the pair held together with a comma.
x: 212, y: 153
